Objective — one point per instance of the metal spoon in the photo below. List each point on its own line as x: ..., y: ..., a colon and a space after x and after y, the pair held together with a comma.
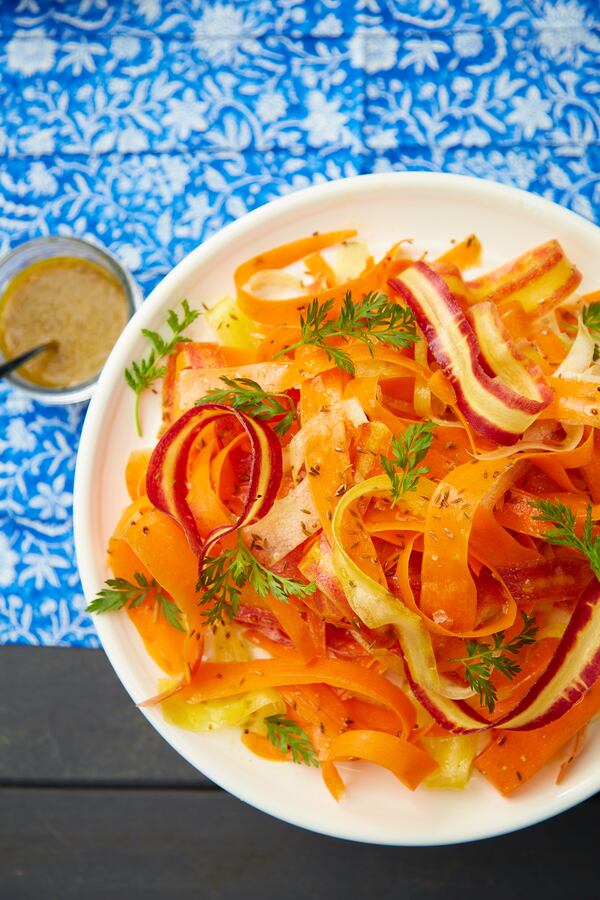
x: 11, y: 364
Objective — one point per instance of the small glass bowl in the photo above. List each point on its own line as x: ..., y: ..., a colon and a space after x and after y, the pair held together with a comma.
x: 47, y: 248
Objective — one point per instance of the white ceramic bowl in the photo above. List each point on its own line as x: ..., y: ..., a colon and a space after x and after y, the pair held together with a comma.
x: 433, y: 209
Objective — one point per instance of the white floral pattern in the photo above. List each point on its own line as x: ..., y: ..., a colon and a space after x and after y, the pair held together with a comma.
x: 149, y: 124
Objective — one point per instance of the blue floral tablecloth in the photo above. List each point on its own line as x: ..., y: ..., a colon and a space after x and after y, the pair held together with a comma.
x: 149, y: 124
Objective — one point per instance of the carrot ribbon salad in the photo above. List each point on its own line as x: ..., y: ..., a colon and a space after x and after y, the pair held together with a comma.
x: 368, y: 529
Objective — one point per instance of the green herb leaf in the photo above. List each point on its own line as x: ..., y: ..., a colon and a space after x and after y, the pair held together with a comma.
x: 373, y: 319
x: 248, y: 397
x: 564, y: 533
x: 141, y: 374
x: 222, y: 578
x: 169, y: 610
x: 590, y: 316
x: 120, y: 593
x: 287, y: 736
x: 483, y: 658
x: 408, y: 450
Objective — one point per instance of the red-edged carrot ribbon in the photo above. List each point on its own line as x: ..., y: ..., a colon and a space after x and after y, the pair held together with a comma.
x: 538, y: 280
x: 573, y: 670
x: 484, y: 390
x: 167, y: 478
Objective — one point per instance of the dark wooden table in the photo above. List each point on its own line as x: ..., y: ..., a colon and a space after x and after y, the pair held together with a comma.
x: 93, y: 804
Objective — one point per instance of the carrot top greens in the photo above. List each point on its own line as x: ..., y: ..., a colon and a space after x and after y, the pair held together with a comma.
x: 374, y: 319
x: 408, y: 450
x: 248, y: 397
x: 289, y: 737
x: 222, y: 578
x: 482, y: 659
x: 149, y: 369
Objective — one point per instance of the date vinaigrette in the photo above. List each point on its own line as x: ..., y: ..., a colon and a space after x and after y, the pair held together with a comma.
x: 72, y: 301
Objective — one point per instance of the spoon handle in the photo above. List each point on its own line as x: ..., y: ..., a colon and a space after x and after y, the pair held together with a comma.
x: 11, y: 364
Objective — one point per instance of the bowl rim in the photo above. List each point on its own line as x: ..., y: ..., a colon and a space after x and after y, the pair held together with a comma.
x: 133, y: 295
x: 540, y: 809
